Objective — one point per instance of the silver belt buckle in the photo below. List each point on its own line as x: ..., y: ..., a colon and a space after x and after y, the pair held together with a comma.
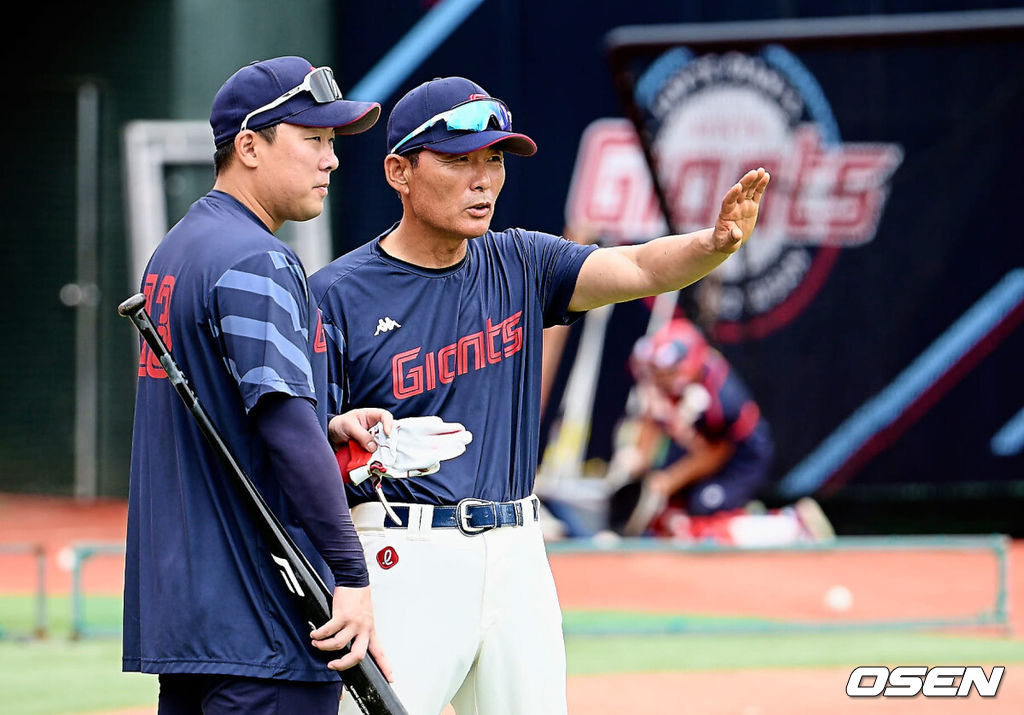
x: 462, y: 516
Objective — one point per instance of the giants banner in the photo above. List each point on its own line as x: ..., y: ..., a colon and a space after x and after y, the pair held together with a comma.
x: 878, y: 326
x: 718, y: 116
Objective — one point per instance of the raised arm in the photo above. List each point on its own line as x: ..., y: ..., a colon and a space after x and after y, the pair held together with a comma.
x: 621, y: 273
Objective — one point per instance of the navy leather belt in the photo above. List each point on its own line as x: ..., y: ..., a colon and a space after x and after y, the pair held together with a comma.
x: 474, y: 516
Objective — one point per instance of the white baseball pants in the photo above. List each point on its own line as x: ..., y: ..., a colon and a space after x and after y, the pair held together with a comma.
x: 469, y: 620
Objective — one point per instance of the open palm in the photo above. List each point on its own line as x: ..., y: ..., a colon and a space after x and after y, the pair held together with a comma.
x: 738, y: 215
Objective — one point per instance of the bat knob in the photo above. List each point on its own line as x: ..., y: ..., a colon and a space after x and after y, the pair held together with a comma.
x: 132, y: 305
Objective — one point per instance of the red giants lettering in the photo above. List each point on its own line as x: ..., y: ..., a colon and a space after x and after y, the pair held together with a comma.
x: 826, y: 195
x: 158, y: 299
x: 412, y: 376
x: 320, y: 341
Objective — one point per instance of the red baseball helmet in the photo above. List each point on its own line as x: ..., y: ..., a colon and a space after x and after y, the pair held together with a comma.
x: 678, y: 344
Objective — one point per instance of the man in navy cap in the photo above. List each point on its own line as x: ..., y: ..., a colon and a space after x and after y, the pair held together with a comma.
x: 440, y: 315
x: 203, y: 605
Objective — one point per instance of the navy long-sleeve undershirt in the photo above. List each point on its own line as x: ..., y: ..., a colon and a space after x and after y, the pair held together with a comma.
x: 302, y: 461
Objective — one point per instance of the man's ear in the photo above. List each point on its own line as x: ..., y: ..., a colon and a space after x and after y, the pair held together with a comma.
x: 396, y: 172
x: 245, y: 148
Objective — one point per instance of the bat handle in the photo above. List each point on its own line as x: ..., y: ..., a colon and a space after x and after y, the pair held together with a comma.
x: 132, y: 305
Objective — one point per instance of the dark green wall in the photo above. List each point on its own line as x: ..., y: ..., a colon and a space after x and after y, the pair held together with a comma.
x: 149, y: 60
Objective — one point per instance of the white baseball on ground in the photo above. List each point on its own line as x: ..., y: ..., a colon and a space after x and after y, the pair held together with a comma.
x: 606, y: 539
x: 66, y: 559
x: 838, y: 598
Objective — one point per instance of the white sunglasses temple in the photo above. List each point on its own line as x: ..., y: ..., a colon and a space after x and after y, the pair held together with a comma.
x: 306, y: 85
x: 277, y: 102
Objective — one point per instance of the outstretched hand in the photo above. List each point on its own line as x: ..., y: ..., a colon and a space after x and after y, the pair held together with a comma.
x: 738, y: 215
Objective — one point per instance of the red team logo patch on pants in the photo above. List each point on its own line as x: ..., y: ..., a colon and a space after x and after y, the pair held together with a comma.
x: 387, y: 557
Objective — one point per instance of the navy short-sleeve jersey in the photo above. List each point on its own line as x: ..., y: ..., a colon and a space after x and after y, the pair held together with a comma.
x: 201, y: 595
x: 463, y: 343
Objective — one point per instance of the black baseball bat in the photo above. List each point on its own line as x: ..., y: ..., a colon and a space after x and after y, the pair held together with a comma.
x: 365, y: 682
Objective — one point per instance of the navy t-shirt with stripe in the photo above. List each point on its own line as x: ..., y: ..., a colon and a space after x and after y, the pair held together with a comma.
x: 463, y: 342
x: 201, y: 594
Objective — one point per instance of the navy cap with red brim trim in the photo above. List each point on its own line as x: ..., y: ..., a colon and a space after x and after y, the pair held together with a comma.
x: 345, y: 116
x: 439, y: 95
x: 260, y: 83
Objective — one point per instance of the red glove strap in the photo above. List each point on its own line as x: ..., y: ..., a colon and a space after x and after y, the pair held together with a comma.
x: 350, y: 456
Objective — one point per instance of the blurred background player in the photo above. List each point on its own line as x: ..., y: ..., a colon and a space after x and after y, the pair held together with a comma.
x: 701, y: 452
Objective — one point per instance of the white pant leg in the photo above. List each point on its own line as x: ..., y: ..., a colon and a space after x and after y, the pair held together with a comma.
x: 426, y: 610
x: 520, y: 669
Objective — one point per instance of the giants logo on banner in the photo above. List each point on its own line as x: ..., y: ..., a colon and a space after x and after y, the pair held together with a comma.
x: 715, y: 117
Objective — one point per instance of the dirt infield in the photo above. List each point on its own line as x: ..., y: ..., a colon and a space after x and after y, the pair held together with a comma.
x: 58, y: 523
x: 897, y: 585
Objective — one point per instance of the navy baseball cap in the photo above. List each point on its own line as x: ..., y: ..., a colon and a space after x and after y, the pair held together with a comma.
x: 423, y: 119
x: 290, y: 90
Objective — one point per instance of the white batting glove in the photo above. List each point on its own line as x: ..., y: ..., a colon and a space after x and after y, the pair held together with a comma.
x: 696, y: 401
x: 415, y: 448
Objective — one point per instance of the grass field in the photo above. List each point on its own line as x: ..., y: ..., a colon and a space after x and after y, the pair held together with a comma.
x: 56, y: 675
x: 101, y: 614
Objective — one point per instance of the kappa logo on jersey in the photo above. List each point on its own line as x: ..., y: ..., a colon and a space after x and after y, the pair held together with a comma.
x: 715, y: 117
x: 387, y: 557
x: 413, y: 375
x: 385, y: 324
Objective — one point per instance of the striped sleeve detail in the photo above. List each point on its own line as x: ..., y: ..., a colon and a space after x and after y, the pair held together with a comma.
x: 264, y: 286
x: 261, y: 317
x: 264, y: 376
x: 282, y: 262
x: 267, y: 332
x: 336, y: 378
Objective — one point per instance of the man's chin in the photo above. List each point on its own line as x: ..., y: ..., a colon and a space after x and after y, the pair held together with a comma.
x: 476, y: 229
x: 307, y: 213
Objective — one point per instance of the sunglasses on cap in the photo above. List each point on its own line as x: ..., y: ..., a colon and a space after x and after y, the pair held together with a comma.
x: 474, y: 115
x: 319, y: 83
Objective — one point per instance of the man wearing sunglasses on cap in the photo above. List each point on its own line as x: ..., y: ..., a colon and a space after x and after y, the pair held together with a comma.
x: 441, y: 315
x: 204, y: 606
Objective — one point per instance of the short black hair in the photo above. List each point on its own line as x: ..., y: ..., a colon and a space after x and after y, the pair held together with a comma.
x: 414, y: 156
x: 222, y: 155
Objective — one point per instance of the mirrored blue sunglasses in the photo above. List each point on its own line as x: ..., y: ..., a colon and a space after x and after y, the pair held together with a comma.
x: 474, y: 115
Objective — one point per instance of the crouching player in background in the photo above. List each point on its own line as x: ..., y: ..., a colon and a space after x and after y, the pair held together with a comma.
x: 702, y: 452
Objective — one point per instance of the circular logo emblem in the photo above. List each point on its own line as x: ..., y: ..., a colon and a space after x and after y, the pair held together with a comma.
x: 712, y: 496
x: 717, y: 116
x: 387, y: 558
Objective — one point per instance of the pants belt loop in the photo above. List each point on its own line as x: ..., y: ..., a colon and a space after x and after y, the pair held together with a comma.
x: 420, y: 519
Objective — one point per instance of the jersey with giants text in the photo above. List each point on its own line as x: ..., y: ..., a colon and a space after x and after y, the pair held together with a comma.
x: 201, y: 595
x: 462, y: 342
